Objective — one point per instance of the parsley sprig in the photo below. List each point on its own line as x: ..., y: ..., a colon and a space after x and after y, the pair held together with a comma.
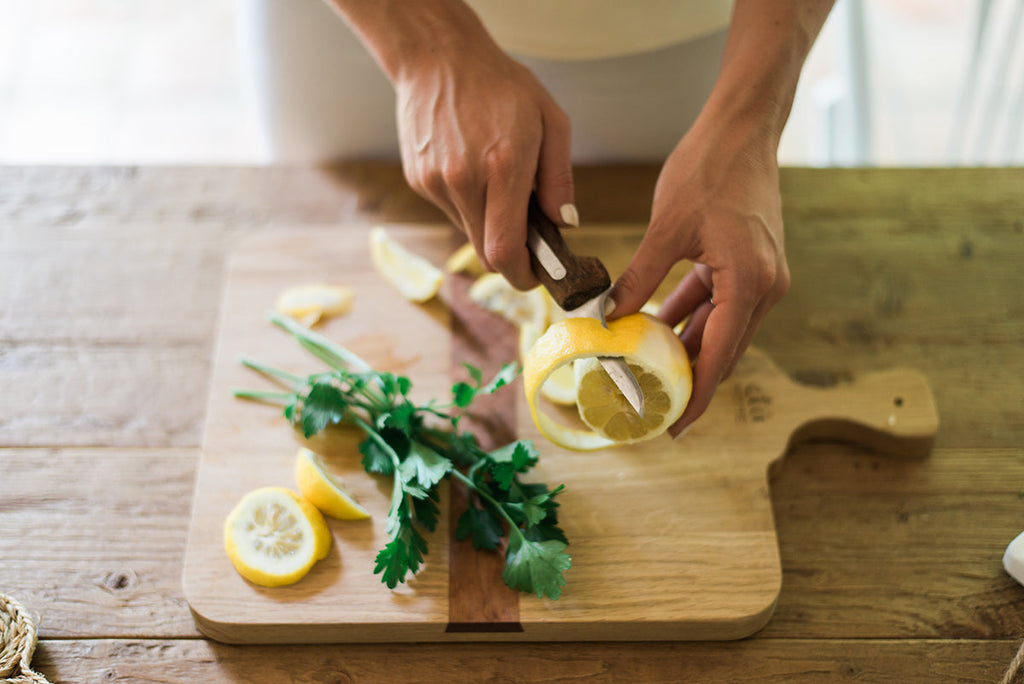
x: 418, y: 446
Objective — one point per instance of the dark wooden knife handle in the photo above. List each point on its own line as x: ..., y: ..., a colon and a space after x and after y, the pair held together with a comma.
x: 585, y: 277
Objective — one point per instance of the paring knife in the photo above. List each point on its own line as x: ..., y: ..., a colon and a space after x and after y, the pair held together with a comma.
x: 580, y: 285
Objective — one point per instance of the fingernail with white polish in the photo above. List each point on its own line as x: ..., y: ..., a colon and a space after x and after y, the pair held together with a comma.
x: 609, y: 306
x: 683, y: 432
x: 569, y: 214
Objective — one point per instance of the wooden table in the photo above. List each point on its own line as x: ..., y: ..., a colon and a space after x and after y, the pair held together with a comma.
x: 109, y: 289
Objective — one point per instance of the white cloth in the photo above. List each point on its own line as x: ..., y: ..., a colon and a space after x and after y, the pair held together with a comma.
x: 598, y: 29
x: 321, y: 97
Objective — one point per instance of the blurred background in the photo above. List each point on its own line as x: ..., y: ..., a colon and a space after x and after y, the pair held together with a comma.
x: 889, y: 83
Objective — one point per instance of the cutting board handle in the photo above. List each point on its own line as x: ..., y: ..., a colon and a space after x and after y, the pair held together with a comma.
x: 890, y: 411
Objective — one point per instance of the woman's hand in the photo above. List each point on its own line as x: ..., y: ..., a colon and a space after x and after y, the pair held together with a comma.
x: 477, y: 131
x: 717, y: 205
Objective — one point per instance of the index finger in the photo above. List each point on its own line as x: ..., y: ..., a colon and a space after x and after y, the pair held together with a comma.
x: 505, y: 212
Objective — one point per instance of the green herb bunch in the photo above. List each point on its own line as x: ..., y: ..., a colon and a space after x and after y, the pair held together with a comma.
x: 419, y: 446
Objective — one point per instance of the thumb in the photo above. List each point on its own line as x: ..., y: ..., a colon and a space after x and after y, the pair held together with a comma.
x: 555, y: 188
x: 648, y: 267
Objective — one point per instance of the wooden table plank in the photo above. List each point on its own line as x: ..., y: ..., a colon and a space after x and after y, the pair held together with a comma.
x: 761, y: 660
x: 880, y: 547
x: 870, y: 545
x: 92, y: 540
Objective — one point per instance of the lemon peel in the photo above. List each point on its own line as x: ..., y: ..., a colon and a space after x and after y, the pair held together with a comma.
x: 465, y: 260
x: 324, y: 489
x: 414, y: 277
x: 654, y: 354
x: 273, y: 536
x: 309, y: 303
x: 560, y: 387
x: 492, y: 292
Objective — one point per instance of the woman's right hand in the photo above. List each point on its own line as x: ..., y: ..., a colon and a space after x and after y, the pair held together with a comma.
x: 477, y: 133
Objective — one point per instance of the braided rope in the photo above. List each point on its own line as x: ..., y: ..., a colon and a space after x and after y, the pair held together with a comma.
x: 1015, y: 673
x: 17, y: 644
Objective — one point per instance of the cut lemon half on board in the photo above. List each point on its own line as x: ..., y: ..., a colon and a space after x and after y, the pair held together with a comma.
x: 274, y: 537
x: 309, y: 303
x: 492, y: 292
x: 414, y: 277
x: 652, y: 351
x: 324, y: 489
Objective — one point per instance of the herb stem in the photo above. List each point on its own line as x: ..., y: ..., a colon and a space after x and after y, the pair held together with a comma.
x: 457, y: 474
x: 258, y: 395
x: 315, y: 342
x: 294, y: 380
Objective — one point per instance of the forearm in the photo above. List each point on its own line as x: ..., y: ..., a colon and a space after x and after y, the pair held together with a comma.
x: 768, y: 42
x: 402, y: 35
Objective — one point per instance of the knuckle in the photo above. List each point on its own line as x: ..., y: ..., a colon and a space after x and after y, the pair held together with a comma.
x: 783, y: 280
x: 498, y: 253
x: 457, y: 176
x: 562, y: 179
x: 629, y: 282
x: 764, y: 274
x: 501, y: 160
x: 430, y: 181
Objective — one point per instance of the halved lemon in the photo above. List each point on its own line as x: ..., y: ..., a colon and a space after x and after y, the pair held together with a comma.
x: 414, y: 277
x: 652, y: 351
x: 492, y: 292
x: 309, y: 303
x: 324, y: 489
x: 465, y: 260
x: 273, y: 536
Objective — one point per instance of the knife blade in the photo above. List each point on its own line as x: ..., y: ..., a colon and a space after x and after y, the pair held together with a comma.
x: 580, y: 285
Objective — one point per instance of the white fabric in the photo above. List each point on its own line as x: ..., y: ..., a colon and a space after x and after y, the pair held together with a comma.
x: 598, y: 29
x: 321, y: 97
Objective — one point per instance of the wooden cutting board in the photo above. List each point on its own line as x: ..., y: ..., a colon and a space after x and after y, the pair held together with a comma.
x: 670, y: 540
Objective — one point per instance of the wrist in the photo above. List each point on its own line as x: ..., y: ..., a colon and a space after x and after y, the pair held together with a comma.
x: 767, y: 45
x: 405, y: 37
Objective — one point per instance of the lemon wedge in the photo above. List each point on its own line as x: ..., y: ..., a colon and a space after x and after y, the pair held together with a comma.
x: 414, y: 277
x: 273, y: 536
x: 309, y: 303
x: 492, y: 292
x: 652, y: 351
x: 324, y: 489
x: 465, y: 260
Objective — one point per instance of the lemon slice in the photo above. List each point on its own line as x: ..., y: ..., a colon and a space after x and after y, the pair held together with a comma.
x: 465, y: 260
x: 309, y: 303
x: 492, y: 292
x: 652, y: 351
x: 414, y: 277
x: 273, y: 536
x: 325, y: 490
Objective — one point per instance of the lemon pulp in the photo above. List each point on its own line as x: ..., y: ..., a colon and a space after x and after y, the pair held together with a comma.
x: 274, y: 537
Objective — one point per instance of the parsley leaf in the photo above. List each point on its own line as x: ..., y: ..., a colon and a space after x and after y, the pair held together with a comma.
x: 479, y: 524
x: 419, y: 446
x: 536, y: 566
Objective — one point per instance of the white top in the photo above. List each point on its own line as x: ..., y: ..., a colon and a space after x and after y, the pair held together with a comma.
x: 595, y: 29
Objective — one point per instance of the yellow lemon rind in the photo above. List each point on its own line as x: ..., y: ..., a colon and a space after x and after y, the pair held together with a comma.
x: 310, y: 519
x: 566, y: 342
x: 415, y: 278
x: 324, y: 490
